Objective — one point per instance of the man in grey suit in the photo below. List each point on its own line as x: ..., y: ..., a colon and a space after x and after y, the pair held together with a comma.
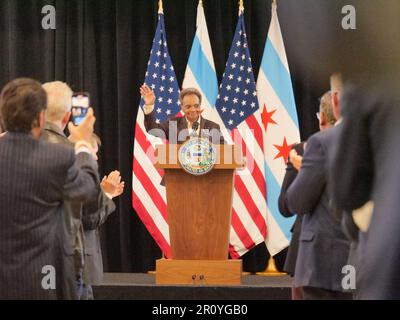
x: 73, y: 239
x: 35, y: 179
x: 323, y: 248
x: 58, y: 113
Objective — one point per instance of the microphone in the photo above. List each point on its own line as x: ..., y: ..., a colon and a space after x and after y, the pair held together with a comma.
x: 195, y: 126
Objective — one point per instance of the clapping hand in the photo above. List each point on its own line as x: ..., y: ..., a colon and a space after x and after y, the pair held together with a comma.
x: 112, y: 184
x: 295, y: 159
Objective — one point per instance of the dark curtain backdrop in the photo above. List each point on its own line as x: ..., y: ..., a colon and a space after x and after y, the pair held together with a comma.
x: 103, y: 47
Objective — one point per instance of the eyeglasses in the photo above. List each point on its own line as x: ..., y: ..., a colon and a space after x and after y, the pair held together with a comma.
x: 318, y: 115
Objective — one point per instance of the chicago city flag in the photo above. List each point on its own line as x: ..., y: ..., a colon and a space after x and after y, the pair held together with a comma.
x: 280, y: 129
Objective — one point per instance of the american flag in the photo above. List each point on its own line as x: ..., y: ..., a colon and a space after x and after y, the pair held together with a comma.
x: 148, y: 196
x: 238, y: 107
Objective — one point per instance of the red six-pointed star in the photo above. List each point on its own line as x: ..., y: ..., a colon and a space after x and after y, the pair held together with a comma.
x: 284, y: 150
x: 266, y: 117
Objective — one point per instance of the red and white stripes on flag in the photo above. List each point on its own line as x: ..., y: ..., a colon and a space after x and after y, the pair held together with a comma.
x: 148, y: 196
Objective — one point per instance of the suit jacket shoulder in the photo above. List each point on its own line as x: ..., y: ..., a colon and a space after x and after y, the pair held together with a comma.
x: 53, y: 134
x: 208, y: 124
x: 304, y: 193
x: 63, y: 156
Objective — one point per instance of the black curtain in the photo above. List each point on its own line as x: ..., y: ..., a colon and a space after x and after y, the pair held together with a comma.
x: 103, y: 47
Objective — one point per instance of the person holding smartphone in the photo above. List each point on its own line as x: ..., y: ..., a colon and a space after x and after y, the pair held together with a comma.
x: 35, y: 180
x: 80, y: 106
x: 63, y: 105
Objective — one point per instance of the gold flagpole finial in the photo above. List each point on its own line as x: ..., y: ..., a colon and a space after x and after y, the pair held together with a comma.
x: 241, y: 5
x: 160, y: 7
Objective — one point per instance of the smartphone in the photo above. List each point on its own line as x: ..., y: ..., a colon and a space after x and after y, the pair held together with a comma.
x: 80, y: 107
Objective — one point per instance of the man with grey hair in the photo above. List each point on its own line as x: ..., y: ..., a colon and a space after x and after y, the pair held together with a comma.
x: 325, y: 115
x: 58, y: 113
x: 59, y: 96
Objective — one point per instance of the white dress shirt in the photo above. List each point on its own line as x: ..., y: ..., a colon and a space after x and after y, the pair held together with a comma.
x: 189, y: 126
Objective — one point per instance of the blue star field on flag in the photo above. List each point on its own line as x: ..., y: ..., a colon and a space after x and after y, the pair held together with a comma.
x: 237, y: 97
x: 161, y: 78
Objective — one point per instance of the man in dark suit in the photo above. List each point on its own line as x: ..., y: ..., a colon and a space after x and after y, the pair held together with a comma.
x: 178, y: 129
x: 35, y: 179
x: 326, y: 120
x: 323, y: 248
x: 367, y: 155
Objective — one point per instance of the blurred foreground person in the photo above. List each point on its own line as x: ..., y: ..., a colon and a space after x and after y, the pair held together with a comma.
x: 35, y: 178
x: 367, y: 156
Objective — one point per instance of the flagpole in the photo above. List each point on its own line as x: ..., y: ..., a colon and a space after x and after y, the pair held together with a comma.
x: 154, y: 272
x: 241, y: 9
x: 160, y: 7
x: 241, y: 6
x: 160, y: 11
x: 271, y: 269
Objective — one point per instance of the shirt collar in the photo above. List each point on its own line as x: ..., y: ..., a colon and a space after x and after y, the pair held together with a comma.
x: 188, y: 123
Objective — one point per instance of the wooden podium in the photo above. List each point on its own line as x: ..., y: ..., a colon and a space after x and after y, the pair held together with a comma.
x: 199, y: 213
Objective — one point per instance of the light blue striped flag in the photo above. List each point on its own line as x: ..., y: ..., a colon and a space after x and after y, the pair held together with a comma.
x: 281, y: 129
x: 200, y: 71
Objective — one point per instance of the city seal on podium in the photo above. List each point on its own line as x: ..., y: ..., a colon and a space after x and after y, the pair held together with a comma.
x: 197, y: 156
